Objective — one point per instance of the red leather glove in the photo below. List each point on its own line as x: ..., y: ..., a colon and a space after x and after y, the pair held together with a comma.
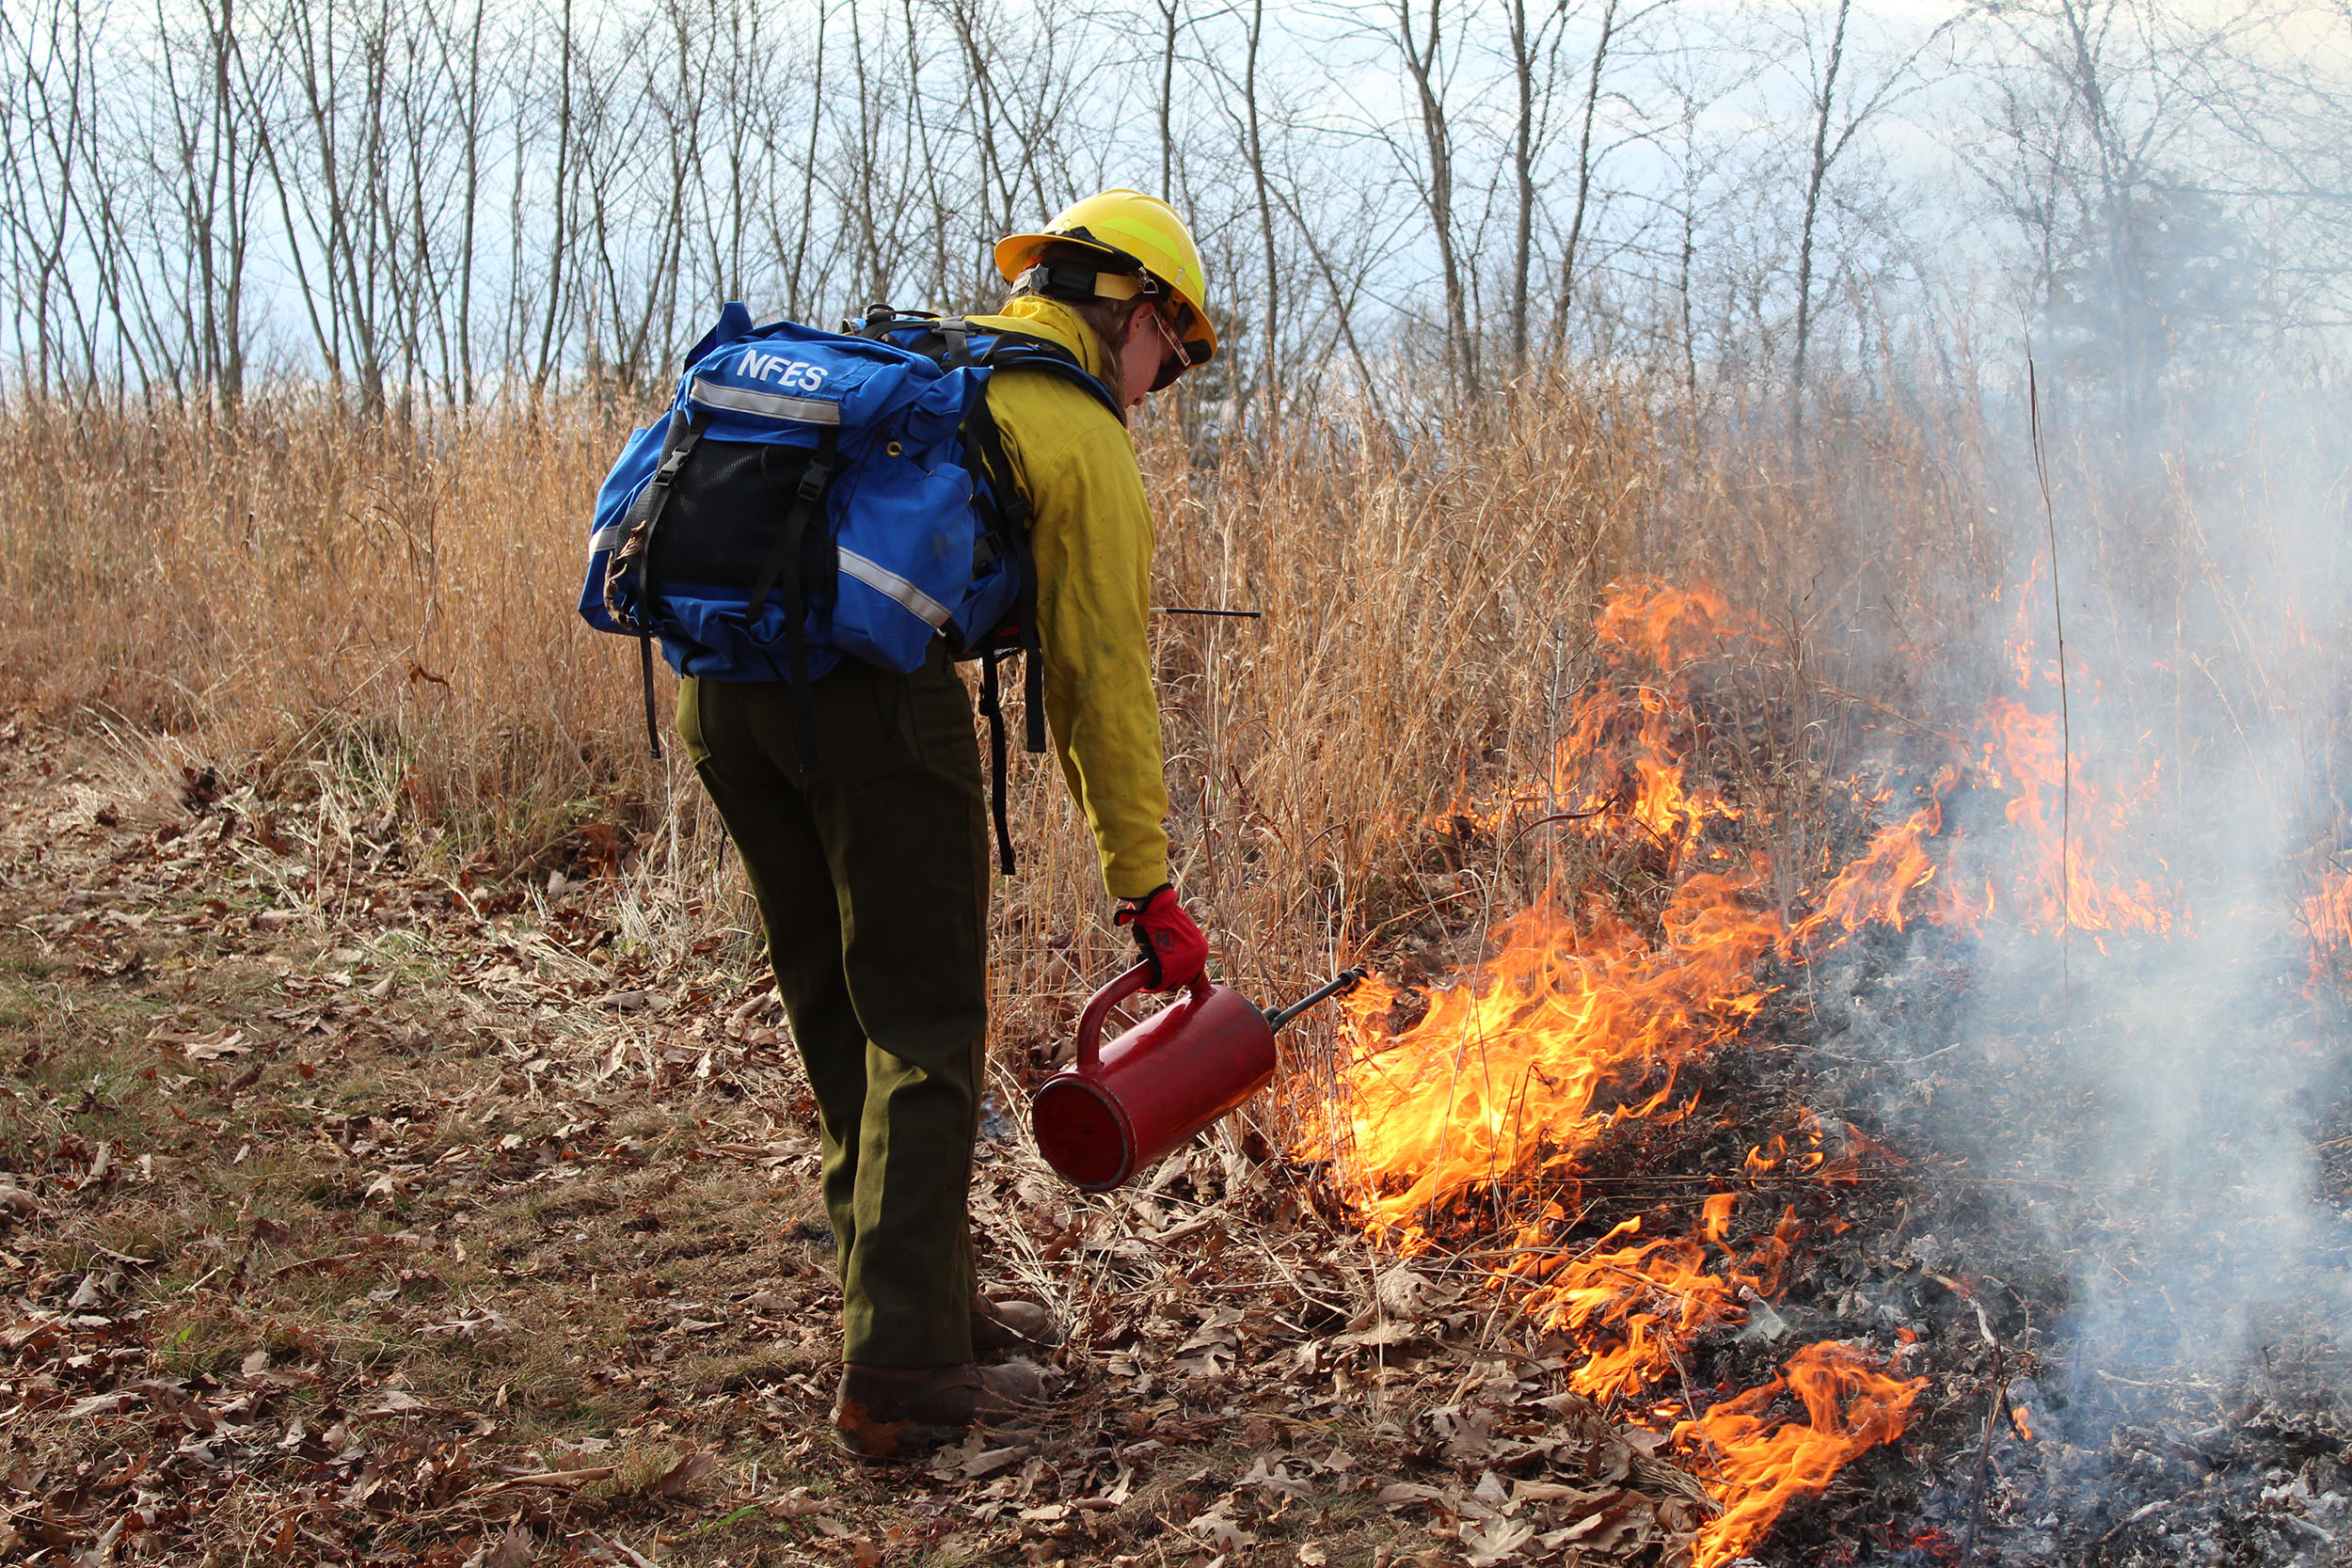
x: 1172, y: 943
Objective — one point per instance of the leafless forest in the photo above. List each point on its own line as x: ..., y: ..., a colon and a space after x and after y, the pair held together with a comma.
x: 426, y: 201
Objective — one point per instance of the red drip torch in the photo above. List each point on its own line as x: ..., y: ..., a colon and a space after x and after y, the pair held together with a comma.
x: 1125, y: 1104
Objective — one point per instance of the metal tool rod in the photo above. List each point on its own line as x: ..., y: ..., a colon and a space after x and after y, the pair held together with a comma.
x: 1189, y: 610
x: 1346, y: 981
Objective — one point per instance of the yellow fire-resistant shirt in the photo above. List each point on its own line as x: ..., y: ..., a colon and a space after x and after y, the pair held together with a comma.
x: 1092, y: 531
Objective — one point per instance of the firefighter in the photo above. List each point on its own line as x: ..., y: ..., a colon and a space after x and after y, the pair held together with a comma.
x: 872, y: 874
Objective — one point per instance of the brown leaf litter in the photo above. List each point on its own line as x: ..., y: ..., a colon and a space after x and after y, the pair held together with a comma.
x: 436, y: 1223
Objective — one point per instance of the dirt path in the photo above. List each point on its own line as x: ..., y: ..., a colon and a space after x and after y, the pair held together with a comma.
x: 355, y: 1214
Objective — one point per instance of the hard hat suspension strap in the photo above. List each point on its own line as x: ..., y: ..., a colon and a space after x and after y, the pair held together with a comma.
x: 1080, y: 284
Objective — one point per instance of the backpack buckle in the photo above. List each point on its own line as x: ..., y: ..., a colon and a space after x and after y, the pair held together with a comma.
x: 813, y: 477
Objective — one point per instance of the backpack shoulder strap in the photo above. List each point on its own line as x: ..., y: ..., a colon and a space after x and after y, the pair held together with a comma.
x: 950, y: 340
x: 1007, y: 507
x: 635, y: 553
x: 1010, y: 351
x: 1027, y: 351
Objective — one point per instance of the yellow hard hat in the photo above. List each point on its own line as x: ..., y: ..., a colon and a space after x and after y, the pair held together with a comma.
x: 1140, y: 234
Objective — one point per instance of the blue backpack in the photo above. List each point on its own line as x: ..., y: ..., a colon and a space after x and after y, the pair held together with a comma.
x: 814, y: 496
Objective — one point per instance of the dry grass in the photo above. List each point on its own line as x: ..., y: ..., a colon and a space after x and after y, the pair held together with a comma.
x: 374, y: 624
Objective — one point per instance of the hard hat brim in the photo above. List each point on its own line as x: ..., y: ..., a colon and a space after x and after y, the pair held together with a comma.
x: 1015, y: 252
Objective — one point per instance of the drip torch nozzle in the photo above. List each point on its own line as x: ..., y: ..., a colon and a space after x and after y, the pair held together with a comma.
x: 1344, y: 982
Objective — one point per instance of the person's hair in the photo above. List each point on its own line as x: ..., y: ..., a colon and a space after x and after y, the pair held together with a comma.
x: 1108, y: 319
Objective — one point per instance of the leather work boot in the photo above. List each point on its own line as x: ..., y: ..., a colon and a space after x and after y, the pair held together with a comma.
x: 897, y: 1411
x: 1010, y: 1326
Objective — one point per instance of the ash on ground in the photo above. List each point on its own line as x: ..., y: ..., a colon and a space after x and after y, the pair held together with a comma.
x: 2130, y: 1291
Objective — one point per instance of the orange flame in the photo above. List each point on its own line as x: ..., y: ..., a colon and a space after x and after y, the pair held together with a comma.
x: 1635, y: 1308
x: 1756, y: 1463
x: 1873, y: 887
x: 2328, y: 922
x: 1517, y: 1065
x: 1627, y: 740
x: 1618, y: 764
x: 1668, y: 627
x: 2065, y: 836
x: 1580, y: 1021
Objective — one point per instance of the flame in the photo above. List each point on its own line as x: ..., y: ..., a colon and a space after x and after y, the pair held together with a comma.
x: 1519, y: 1064
x: 1585, y: 1012
x: 2052, y: 866
x: 1755, y: 1462
x: 2066, y: 838
x: 1575, y: 1022
x: 1873, y: 887
x: 1668, y: 627
x: 1617, y: 765
x: 2327, y: 922
x: 1631, y: 730
x: 1582, y: 1018
x: 1635, y: 1308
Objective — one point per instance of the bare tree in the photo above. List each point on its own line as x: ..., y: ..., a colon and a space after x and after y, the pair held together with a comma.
x: 1270, y: 298
x: 1533, y: 65
x: 211, y: 168
x: 2107, y: 114
x: 1580, y: 212
x: 52, y: 66
x: 465, y: 201
x: 1824, y: 106
x: 1421, y: 45
x: 565, y: 195
x: 797, y: 290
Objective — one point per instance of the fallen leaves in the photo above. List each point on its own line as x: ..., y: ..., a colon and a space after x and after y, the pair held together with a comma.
x: 1218, y: 1527
x: 550, y: 1478
x: 486, y: 1205
x: 973, y: 1459
x: 1496, y: 1540
x: 475, y: 1324
x: 685, y: 1475
x: 398, y: 1401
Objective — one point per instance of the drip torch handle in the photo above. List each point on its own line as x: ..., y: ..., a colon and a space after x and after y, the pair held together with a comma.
x: 1099, y: 1007
x: 1346, y: 981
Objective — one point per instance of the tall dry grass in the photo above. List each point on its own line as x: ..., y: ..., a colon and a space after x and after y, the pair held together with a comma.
x: 375, y: 622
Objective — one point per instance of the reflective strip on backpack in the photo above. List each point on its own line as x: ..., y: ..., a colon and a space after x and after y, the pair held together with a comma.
x: 881, y: 579
x: 609, y: 535
x: 776, y: 405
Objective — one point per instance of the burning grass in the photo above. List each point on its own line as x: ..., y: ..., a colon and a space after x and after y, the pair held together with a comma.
x: 1482, y: 1111
x: 1583, y: 1231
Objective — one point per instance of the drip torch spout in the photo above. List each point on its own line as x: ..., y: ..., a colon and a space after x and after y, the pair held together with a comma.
x: 1346, y: 981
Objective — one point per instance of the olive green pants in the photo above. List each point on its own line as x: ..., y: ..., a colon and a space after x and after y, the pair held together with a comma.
x: 872, y: 873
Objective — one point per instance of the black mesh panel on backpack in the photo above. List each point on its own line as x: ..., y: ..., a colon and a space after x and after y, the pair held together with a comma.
x: 721, y: 525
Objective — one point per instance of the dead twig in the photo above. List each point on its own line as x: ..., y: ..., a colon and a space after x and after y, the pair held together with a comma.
x: 1916, y: 726
x: 548, y: 1477
x: 301, y: 1264
x: 1985, y: 1444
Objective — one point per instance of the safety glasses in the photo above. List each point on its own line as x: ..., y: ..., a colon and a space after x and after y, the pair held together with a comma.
x: 1177, y: 356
